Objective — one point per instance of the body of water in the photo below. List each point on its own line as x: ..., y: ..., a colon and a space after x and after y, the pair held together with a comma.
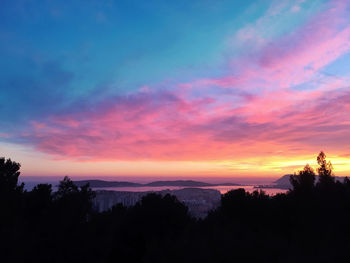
x: 222, y: 188
x: 248, y: 186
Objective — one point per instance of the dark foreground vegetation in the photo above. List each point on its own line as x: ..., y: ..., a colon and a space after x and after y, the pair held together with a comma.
x: 311, y: 223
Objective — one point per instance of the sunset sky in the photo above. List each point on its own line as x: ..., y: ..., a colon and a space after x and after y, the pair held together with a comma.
x: 174, y: 88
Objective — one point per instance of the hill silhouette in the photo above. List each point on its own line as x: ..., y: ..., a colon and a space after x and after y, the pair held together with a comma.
x: 102, y: 183
x: 284, y: 181
x: 185, y: 183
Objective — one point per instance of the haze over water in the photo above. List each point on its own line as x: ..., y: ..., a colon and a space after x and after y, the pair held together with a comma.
x: 221, y: 188
x: 248, y: 185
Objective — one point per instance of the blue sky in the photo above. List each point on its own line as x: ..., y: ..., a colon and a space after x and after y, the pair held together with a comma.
x: 217, y: 63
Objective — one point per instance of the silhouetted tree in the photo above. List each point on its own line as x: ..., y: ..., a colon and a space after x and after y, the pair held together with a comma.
x: 66, y: 187
x: 148, y: 227
x: 43, y: 191
x: 326, y: 178
x: 303, y: 182
x: 9, y: 173
x: 40, y: 198
x: 11, y: 209
x: 159, y: 211
x: 74, y: 202
x: 347, y: 182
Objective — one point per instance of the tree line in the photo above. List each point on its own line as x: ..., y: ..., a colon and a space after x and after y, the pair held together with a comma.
x: 309, y: 223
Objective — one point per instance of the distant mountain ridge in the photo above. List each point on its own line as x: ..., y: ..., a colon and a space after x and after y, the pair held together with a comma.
x: 102, y: 183
x: 185, y: 183
x: 284, y: 182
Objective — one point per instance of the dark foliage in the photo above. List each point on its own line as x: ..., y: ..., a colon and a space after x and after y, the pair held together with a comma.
x: 308, y: 224
x: 304, y: 182
x: 9, y: 173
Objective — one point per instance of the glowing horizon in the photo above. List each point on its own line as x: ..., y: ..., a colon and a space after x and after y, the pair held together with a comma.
x: 250, y: 88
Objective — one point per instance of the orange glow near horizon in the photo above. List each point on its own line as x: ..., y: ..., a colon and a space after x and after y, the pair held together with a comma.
x: 36, y: 164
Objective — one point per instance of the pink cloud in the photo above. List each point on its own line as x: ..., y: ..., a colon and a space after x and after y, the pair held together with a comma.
x: 4, y: 135
x: 253, y: 112
x: 293, y: 59
x: 162, y: 132
x: 295, y: 8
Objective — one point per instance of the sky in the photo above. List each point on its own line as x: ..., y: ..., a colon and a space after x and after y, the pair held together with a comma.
x: 174, y: 88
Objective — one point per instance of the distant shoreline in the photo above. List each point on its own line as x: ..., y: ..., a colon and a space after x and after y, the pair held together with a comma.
x: 179, y: 183
x: 284, y: 187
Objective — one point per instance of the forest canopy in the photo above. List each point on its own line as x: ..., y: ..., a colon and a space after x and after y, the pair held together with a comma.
x: 43, y: 225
